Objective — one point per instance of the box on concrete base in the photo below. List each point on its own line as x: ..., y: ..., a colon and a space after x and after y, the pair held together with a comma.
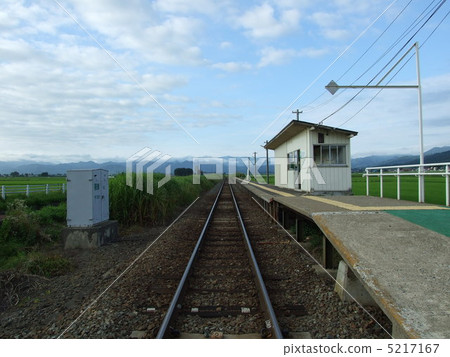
x: 87, y: 197
x: 90, y: 237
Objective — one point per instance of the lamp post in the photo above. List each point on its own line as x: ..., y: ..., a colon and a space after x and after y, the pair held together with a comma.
x: 333, y: 87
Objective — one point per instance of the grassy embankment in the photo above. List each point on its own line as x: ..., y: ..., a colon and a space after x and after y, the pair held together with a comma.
x: 32, y: 225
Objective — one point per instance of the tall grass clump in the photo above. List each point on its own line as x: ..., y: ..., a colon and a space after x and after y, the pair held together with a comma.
x: 34, y: 201
x: 25, y: 230
x: 131, y: 206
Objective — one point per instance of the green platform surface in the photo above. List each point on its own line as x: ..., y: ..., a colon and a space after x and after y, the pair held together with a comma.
x: 435, y: 220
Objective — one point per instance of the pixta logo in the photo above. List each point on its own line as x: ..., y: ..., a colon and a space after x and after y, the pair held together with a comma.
x: 298, y: 174
x: 140, y: 160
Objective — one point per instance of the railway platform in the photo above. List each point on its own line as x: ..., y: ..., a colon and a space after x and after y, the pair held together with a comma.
x: 399, y: 251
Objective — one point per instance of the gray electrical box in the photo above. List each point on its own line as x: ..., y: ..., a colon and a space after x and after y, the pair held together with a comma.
x: 87, y: 197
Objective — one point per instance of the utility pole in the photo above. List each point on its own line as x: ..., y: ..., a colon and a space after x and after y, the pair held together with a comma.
x: 248, y: 170
x: 254, y: 156
x: 298, y: 112
x: 267, y: 160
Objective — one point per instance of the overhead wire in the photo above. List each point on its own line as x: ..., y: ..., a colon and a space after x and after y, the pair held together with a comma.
x: 434, y: 11
x: 409, y: 59
x: 353, y: 65
x: 409, y: 29
x: 324, y: 71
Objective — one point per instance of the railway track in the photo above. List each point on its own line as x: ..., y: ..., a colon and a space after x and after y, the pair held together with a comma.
x: 222, y: 285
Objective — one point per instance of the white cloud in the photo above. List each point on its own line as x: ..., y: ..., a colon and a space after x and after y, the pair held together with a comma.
x: 162, y: 83
x: 136, y: 26
x: 324, y: 19
x: 61, y: 94
x: 336, y: 34
x: 186, y: 7
x: 225, y: 45
x: 233, y: 66
x: 261, y: 22
x: 339, y: 19
x: 276, y: 56
x: 313, y: 52
x: 331, y: 25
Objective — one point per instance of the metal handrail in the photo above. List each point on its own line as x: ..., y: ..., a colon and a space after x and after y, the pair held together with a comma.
x: 420, y: 172
x: 407, y: 166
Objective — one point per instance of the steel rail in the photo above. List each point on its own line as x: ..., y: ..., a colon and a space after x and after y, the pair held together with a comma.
x: 163, y: 330
x: 262, y: 291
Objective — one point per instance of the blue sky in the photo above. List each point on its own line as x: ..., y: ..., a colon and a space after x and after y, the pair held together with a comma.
x: 100, y: 80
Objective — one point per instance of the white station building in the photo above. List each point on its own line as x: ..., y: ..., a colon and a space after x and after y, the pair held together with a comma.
x: 313, y: 158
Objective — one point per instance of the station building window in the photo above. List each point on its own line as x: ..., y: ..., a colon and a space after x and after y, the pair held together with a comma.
x: 293, y: 160
x: 330, y: 155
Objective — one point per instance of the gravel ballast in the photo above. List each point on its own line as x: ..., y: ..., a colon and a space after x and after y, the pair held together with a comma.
x: 91, y: 301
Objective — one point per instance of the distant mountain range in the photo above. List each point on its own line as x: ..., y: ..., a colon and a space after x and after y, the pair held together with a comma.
x: 37, y: 168
x: 441, y: 154
x: 437, y: 154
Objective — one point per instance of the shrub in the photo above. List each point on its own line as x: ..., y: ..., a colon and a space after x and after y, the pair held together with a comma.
x: 2, y: 205
x: 51, y: 214
x: 23, y: 230
x: 49, y: 266
x: 20, y: 225
x: 38, y: 200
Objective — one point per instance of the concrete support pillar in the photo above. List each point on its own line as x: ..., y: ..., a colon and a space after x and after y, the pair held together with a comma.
x: 299, y: 229
x: 347, y: 284
x: 327, y: 253
x: 281, y: 217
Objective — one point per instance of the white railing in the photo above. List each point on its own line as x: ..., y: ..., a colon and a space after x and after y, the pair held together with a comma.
x: 27, y: 189
x: 439, y: 169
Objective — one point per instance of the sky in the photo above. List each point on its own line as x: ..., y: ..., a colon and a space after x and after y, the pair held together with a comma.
x: 100, y: 80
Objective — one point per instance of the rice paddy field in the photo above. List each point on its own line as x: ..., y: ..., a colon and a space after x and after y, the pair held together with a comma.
x: 434, y: 187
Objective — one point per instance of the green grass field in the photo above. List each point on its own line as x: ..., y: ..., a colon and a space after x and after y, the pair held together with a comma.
x: 9, y: 181
x: 434, y: 187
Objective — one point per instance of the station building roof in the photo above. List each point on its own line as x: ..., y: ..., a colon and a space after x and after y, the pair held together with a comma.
x: 296, y: 127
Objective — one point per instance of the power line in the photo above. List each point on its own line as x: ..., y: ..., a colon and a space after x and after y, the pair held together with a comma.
x: 354, y: 64
x: 377, y: 39
x: 409, y: 59
x: 324, y: 71
x: 389, y: 62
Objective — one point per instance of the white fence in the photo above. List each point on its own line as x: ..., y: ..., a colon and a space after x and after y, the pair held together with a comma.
x: 27, y: 189
x: 438, y: 169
